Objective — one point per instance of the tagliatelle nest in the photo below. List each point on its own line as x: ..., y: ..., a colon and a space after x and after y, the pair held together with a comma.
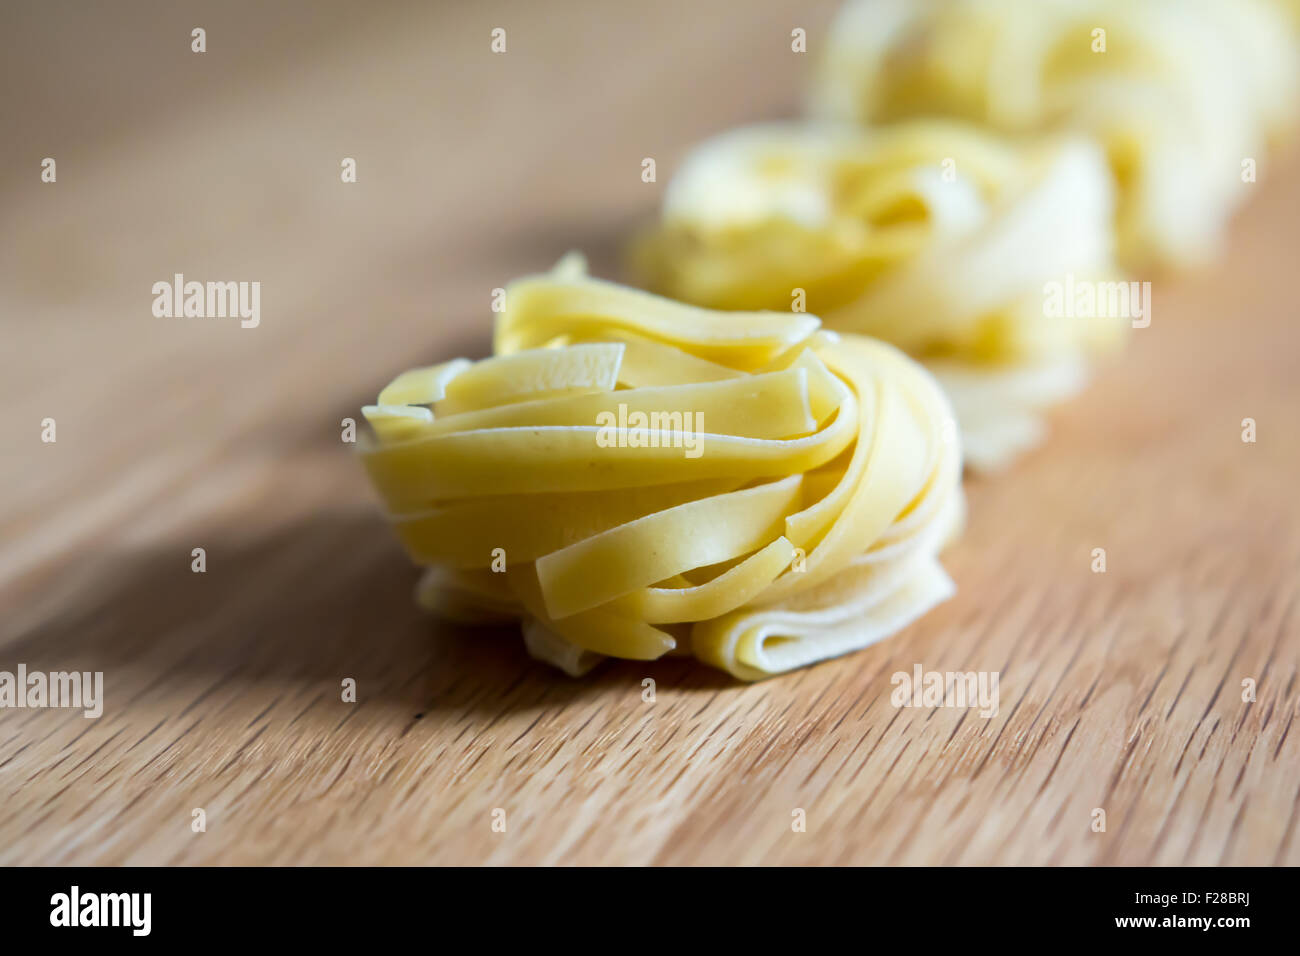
x: 632, y: 477
x: 1180, y: 93
x: 936, y: 237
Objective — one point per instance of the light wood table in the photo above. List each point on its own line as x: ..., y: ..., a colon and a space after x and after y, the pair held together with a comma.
x: 1120, y: 691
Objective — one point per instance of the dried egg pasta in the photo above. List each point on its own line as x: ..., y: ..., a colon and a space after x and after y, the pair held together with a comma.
x: 630, y: 477
x: 1182, y: 94
x: 933, y: 236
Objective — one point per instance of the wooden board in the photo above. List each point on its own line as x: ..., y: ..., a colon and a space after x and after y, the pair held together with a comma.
x: 1120, y: 691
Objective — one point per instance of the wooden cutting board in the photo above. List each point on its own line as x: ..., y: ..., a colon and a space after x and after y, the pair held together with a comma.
x: 1119, y: 691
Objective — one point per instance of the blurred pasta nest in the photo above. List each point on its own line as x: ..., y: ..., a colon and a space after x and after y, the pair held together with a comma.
x: 1182, y: 94
x: 630, y: 476
x: 935, y: 236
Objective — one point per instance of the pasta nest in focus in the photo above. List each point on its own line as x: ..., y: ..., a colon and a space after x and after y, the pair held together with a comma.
x: 934, y: 236
x: 631, y: 477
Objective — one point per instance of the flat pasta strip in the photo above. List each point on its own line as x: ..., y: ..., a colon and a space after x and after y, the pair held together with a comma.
x: 394, y: 423
x: 773, y: 405
x: 637, y: 554
x: 530, y: 526
x: 422, y: 386
x: 536, y: 374
x: 523, y: 460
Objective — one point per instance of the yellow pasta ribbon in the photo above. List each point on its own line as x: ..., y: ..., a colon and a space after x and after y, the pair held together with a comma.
x: 629, y: 476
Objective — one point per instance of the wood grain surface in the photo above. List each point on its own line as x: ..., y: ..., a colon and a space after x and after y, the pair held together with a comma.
x: 1120, y: 691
